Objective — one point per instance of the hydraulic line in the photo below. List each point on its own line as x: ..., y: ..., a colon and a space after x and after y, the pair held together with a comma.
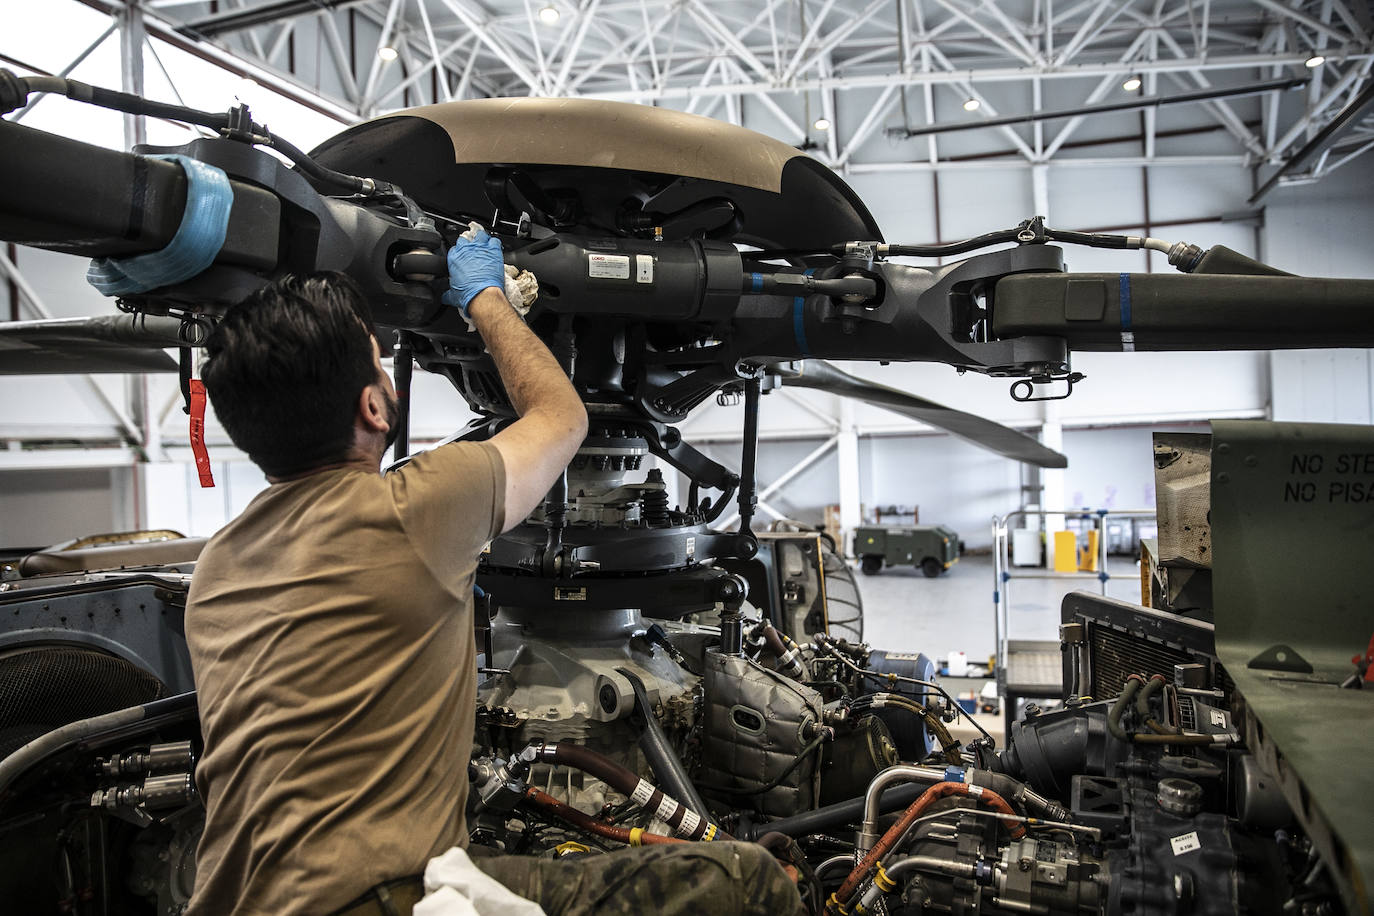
x: 788, y: 652
x: 837, y: 815
x: 868, y: 833
x: 684, y: 821
x: 1129, y: 691
x: 826, y: 644
x: 903, y: 823
x: 631, y: 836
x: 1018, y: 793
x: 1182, y: 255
x: 14, y: 92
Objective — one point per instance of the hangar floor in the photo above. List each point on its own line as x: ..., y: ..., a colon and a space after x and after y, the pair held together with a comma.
x: 906, y: 612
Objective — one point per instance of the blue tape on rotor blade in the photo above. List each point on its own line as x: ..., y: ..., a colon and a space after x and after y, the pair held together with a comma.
x: 1125, y: 302
x: 757, y: 282
x: 204, y: 224
x: 799, y: 320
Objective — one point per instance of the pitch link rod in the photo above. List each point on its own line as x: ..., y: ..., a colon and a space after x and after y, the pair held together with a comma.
x: 855, y: 289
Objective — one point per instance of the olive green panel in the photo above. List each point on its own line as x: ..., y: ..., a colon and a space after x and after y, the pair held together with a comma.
x: 1293, y: 538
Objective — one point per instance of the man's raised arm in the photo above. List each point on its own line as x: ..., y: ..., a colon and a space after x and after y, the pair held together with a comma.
x: 552, y: 424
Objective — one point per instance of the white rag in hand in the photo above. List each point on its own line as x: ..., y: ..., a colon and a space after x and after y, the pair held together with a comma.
x: 521, y: 286
x: 455, y: 887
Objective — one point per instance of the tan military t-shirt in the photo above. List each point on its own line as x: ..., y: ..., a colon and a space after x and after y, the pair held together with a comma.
x: 330, y: 629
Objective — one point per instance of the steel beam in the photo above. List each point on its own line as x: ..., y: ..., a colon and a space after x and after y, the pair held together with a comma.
x: 218, y: 24
x: 1340, y: 125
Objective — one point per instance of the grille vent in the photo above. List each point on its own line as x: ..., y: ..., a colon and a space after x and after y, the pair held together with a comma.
x: 46, y: 687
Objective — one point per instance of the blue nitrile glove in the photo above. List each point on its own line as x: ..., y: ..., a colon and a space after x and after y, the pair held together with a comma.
x: 472, y: 267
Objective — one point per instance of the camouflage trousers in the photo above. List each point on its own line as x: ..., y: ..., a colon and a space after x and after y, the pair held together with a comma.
x: 721, y: 879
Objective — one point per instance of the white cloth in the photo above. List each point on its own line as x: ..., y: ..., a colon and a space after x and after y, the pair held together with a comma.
x: 455, y: 887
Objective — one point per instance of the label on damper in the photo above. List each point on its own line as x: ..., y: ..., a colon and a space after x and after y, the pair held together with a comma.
x: 608, y: 267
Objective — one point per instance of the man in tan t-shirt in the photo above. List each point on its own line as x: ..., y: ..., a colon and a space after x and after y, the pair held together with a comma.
x: 330, y: 625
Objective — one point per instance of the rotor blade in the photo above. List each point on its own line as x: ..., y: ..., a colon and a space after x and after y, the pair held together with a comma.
x: 107, y: 343
x: 822, y: 376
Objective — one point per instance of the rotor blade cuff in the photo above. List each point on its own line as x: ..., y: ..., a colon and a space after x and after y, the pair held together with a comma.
x: 204, y: 224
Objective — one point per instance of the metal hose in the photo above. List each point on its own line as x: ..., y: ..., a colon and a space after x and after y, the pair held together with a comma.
x: 1132, y: 687
x: 903, y: 824
x: 868, y: 833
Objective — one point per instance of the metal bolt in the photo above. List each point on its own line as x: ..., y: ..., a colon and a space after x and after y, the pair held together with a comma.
x: 1026, y: 863
x: 1251, y: 461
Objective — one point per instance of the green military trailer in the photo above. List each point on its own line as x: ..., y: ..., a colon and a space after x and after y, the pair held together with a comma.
x: 930, y: 548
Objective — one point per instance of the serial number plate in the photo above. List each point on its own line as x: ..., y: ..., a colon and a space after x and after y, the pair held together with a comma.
x: 1186, y: 843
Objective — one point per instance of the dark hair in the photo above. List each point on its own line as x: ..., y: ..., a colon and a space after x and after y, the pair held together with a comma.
x: 285, y: 367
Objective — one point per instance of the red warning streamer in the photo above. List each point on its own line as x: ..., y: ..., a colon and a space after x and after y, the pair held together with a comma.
x: 207, y: 479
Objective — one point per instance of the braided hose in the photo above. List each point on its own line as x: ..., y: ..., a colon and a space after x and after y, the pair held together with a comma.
x: 685, y: 822
x: 632, y: 836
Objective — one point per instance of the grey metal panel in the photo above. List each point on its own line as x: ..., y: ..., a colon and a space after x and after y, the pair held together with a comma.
x: 1292, y: 540
x: 137, y: 616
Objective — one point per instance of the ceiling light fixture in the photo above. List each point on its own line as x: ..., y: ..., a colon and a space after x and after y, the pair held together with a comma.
x: 549, y: 15
x: 972, y: 105
x: 1132, y: 84
x: 822, y: 124
x: 1315, y: 61
x: 386, y: 53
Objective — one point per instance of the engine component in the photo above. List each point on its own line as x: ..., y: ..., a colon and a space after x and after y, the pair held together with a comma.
x: 1259, y: 800
x: 856, y: 756
x: 155, y: 792
x: 1181, y: 797
x: 912, y: 735
x: 1038, y: 875
x: 158, y: 757
x: 760, y: 733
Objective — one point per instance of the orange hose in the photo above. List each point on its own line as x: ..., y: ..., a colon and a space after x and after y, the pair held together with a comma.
x: 909, y: 816
x: 592, y: 825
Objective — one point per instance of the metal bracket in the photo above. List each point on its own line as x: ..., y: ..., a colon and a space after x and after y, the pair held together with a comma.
x: 1280, y: 657
x: 1027, y: 393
